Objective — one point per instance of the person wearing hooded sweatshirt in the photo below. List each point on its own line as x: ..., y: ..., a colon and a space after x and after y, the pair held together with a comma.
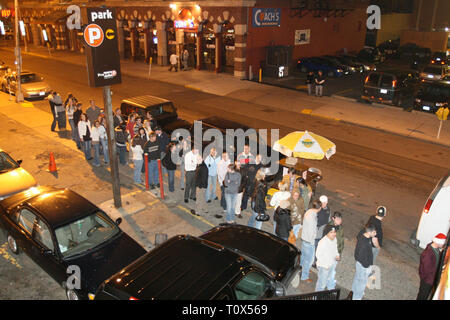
x: 327, y: 254
x: 282, y: 216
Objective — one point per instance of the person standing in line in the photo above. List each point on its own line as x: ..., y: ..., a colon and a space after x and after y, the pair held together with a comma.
x: 231, y: 182
x: 93, y: 112
x: 243, y: 172
x: 258, y: 200
x: 96, y: 143
x: 190, y: 166
x: 246, y: 157
x: 336, y: 223
x: 251, y: 170
x: 70, y: 96
x: 297, y: 208
x: 104, y: 140
x: 282, y: 216
x: 429, y: 264
x: 163, y: 140
x: 308, y: 240
x: 364, y: 260
x: 169, y: 165
x: 60, y: 111
x: 305, y: 191
x: 222, y: 169
x: 201, y: 183
x: 173, y: 62
x: 84, y: 130
x: 323, y: 217
x: 138, y: 159
x: 211, y: 161
x: 147, y: 127
x: 130, y: 125
x: 182, y: 149
x: 319, y: 80
x: 290, y: 179
x: 309, y: 82
x: 327, y: 255
x: 121, y: 136
x: 152, y: 121
x: 76, y: 119
x: 118, y: 119
x: 151, y: 147
x: 70, y: 110
x: 52, y: 109
x: 376, y: 221
x: 141, y: 137
x: 137, y: 125
x: 280, y: 195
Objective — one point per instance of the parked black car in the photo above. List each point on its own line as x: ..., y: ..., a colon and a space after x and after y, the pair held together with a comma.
x: 349, y: 65
x: 228, y: 262
x: 391, y: 87
x: 372, y: 55
x: 162, y: 110
x: 389, y: 48
x: 58, y: 228
x: 432, y: 96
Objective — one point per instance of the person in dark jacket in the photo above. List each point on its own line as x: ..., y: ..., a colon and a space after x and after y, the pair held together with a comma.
x: 201, y: 183
x: 121, y: 135
x: 163, y: 140
x: 76, y: 118
x: 170, y: 166
x: 319, y: 80
x: 323, y: 217
x: 242, y: 169
x: 376, y: 221
x: 151, y: 147
x: 251, y: 170
x: 118, y: 119
x: 429, y: 262
x: 282, y: 217
x: 258, y: 200
x: 364, y: 260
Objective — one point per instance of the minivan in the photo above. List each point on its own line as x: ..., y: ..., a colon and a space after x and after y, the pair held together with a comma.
x: 393, y: 87
x: 435, y: 214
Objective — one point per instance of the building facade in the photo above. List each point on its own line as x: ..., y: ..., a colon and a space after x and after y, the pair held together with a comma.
x: 232, y: 36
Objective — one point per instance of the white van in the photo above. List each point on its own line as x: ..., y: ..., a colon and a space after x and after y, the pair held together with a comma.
x: 435, y: 215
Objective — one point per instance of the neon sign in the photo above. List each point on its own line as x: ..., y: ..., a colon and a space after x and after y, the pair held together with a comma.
x: 6, y: 13
x: 183, y: 24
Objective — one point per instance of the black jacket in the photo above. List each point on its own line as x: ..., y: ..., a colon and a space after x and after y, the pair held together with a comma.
x: 378, y: 226
x: 251, y: 170
x: 121, y: 136
x: 283, y: 219
x: 201, y: 176
x: 163, y: 141
x: 363, y: 250
x: 152, y: 148
x: 77, y: 116
x: 244, y: 178
x: 309, y: 78
x: 259, y: 197
x: 168, y: 163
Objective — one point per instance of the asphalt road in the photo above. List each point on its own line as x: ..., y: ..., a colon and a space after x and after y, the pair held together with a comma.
x: 371, y: 168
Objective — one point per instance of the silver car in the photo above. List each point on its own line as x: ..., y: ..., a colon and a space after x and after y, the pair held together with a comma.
x: 32, y: 85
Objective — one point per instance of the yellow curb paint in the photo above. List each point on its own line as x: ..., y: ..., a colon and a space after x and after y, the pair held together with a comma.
x: 152, y: 203
x: 197, y: 217
x: 307, y: 111
x: 27, y: 105
x: 192, y: 87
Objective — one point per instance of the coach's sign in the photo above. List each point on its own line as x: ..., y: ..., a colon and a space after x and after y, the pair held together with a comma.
x: 100, y: 36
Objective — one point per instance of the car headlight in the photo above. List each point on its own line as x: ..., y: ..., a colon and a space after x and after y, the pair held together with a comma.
x: 352, y: 68
x: 339, y: 70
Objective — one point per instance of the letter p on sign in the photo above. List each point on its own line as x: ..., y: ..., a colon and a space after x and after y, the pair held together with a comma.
x: 93, y: 35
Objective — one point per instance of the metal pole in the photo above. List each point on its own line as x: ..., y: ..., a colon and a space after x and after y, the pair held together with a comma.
x: 161, y: 182
x: 19, y: 95
x: 112, y: 146
x: 440, y: 127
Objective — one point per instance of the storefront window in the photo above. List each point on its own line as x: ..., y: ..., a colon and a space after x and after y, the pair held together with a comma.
x: 228, y: 47
x: 208, y: 47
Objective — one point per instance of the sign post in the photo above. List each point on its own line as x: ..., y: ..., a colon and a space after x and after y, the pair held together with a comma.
x: 103, y: 64
x: 442, y: 115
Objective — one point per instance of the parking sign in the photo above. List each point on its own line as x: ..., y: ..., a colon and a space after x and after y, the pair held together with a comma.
x: 103, y: 60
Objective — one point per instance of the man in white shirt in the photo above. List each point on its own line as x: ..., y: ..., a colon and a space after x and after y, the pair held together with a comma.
x: 222, y: 169
x: 190, y: 165
x: 173, y: 62
x: 211, y: 162
x: 327, y: 254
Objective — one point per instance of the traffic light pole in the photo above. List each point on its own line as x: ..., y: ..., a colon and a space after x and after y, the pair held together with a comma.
x: 114, y: 165
x: 19, y: 95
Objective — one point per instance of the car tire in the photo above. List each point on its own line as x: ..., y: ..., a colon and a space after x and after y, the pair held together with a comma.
x: 12, y: 244
x: 72, y: 295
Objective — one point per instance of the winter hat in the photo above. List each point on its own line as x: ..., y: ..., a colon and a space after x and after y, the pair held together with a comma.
x: 381, y: 211
x: 440, y: 239
x: 323, y: 199
x: 284, y: 204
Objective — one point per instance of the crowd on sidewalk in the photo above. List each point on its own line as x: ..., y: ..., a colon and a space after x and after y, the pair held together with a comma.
x: 297, y: 215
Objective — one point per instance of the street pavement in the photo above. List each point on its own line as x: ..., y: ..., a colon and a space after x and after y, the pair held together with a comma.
x: 417, y: 125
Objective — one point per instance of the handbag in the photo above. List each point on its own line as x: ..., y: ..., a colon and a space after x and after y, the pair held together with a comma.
x: 292, y: 239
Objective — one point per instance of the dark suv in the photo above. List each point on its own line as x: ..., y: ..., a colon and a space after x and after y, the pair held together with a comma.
x: 393, y: 87
x: 432, y: 96
x: 162, y: 110
x: 228, y: 262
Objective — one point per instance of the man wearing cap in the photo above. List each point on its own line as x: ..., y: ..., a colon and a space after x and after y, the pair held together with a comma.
x: 429, y: 260
x: 376, y: 220
x: 323, y: 217
x: 327, y: 254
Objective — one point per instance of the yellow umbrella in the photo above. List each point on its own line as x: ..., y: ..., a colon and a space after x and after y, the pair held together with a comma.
x: 306, y: 145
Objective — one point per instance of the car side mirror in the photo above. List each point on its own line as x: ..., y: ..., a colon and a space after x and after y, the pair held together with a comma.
x: 19, y: 161
x: 118, y: 221
x: 47, y: 252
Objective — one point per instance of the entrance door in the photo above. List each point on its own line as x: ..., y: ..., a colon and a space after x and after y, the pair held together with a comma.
x: 209, y: 51
x: 228, y: 49
x: 190, y: 44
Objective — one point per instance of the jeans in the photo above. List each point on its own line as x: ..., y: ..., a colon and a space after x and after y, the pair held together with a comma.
x: 296, y: 229
x: 211, y: 189
x: 153, y: 173
x: 244, y: 201
x: 171, y: 178
x: 230, y: 198
x: 96, y: 145
x: 360, y: 281
x: 252, y: 221
x: 325, y: 278
x: 307, y: 259
x: 137, y: 170
x: 223, y: 202
x: 375, y: 252
x: 53, y: 125
x: 122, y: 150
x: 237, y: 209
x: 309, y: 85
x: 61, y: 120
x: 319, y: 90
x: 182, y: 174
x: 104, y: 143
x: 75, y: 136
x: 87, y: 149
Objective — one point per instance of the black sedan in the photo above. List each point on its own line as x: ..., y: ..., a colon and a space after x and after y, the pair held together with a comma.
x: 70, y: 238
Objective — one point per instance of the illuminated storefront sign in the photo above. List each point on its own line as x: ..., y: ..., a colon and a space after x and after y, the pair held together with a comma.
x: 183, y: 24
x: 6, y: 13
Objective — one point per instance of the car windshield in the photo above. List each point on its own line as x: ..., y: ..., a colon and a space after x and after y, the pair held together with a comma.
x: 7, y: 163
x: 29, y: 78
x: 436, y: 91
x: 85, y: 234
x: 432, y: 70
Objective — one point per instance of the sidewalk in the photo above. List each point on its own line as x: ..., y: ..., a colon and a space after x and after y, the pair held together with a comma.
x: 417, y: 125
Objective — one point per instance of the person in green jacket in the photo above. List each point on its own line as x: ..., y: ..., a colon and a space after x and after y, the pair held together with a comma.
x: 336, y: 222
